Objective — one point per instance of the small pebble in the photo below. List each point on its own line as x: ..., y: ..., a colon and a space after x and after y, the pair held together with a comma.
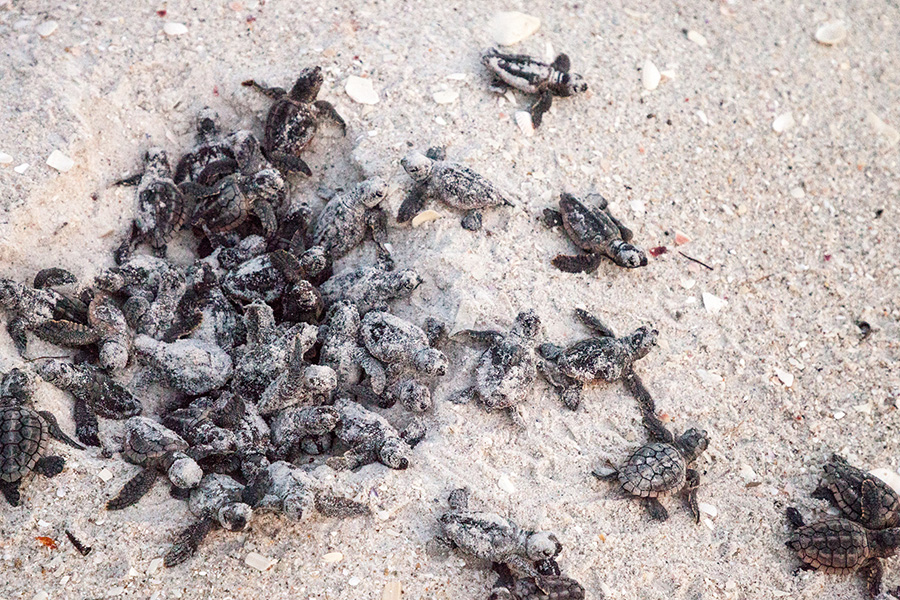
x: 446, y: 96
x: 708, y: 522
x: 831, y: 33
x: 21, y: 168
x: 60, y: 493
x: 650, y: 75
x: 709, y: 377
x: 354, y: 581
x: 457, y: 76
x: 523, y: 120
x: 392, y: 590
x: 115, y: 591
x: 43, y: 524
x: 713, y: 304
x: 5, y: 158
x: 797, y: 193
x: 360, y: 90
x: 60, y: 161
x: 175, y: 29
x: 637, y: 206
x: 697, y: 38
x: 47, y: 28
x: 424, y: 217
x: 709, y: 509
x: 42, y: 595
x: 333, y: 557
x: 747, y: 473
x: 786, y: 378
x: 105, y: 474
x: 839, y: 414
x: 258, y: 561
x: 508, y: 28
x: 506, y: 485
x: 681, y: 239
x: 783, y: 122
x: 155, y: 564
x: 888, y: 132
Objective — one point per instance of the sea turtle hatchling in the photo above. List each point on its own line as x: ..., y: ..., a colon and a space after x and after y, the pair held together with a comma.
x: 369, y: 288
x: 541, y: 587
x: 369, y: 437
x: 534, y: 77
x: 860, y: 496
x: 488, y: 536
x: 600, y: 358
x: 838, y: 545
x: 161, y: 207
x: 343, y: 223
x: 507, y: 369
x: 293, y: 120
x: 156, y: 449
x: 190, y: 366
x: 216, y: 502
x: 211, y: 156
x: 596, y: 231
x: 453, y: 184
x: 24, y: 435
x: 659, y: 468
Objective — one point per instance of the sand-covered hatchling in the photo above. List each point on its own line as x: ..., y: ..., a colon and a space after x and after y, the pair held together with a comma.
x: 509, y: 586
x: 600, y: 358
x: 216, y: 502
x: 454, y: 184
x: 24, y: 436
x: 488, y: 536
x: 393, y: 340
x: 535, y: 77
x: 596, y: 231
x: 302, y: 383
x: 348, y: 217
x: 369, y: 288
x: 156, y: 449
x: 369, y: 438
x: 293, y: 120
x: 838, y: 545
x: 229, y: 203
x: 95, y: 392
x: 660, y: 468
x: 860, y: 496
x: 268, y: 278
x: 212, y: 155
x: 161, y: 207
x: 508, y: 368
x: 191, y: 366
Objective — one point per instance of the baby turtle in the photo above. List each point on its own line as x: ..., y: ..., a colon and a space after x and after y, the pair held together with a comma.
x: 534, y: 77
x: 211, y: 156
x: 453, y: 184
x: 489, y: 536
x: 24, y: 434
x: 839, y: 545
x: 597, y: 232
x: 293, y: 428
x: 393, y: 340
x: 292, y: 491
x: 343, y: 223
x: 95, y: 392
x: 369, y: 437
x: 216, y: 502
x: 302, y: 383
x: 157, y: 449
x: 227, y: 205
x: 507, y: 369
x: 601, y: 358
x: 542, y: 587
x: 267, y: 278
x: 660, y: 468
x: 193, y: 367
x: 860, y: 496
x: 369, y: 288
x: 294, y: 118
x: 161, y: 207
x: 28, y: 307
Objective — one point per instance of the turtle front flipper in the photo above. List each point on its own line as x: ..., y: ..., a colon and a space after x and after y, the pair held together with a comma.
x: 692, y: 482
x: 327, y: 109
x: 16, y: 329
x: 872, y: 571
x: 540, y: 107
x: 275, y: 93
x: 795, y: 519
x: 135, y: 489
x: 552, y: 217
x: 49, y: 466
x: 412, y: 204
x: 66, y: 333
x: 655, y: 509
x: 290, y: 163
x: 266, y: 214
x: 56, y: 432
x: 562, y: 63
x: 123, y: 252
x: 10, y: 491
x: 52, y: 277
x: 582, y: 263
x: 594, y: 323
x: 87, y: 429
x: 472, y: 221
x: 188, y: 541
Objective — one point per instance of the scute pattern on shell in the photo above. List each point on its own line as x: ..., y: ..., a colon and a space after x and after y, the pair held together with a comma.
x: 23, y: 440
x: 833, y: 545
x: 653, y: 470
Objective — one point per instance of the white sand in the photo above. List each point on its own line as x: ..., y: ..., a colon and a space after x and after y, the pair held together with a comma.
x: 788, y: 223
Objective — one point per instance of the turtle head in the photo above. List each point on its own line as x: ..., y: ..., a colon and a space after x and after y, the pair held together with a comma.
x: 415, y: 396
x: 206, y: 123
x: 430, y: 362
x: 308, y: 84
x: 373, y: 191
x: 268, y: 185
x: 404, y: 282
x: 642, y: 341
x: 542, y: 545
x: 573, y: 83
x: 417, y: 165
x: 886, y: 541
x: 9, y: 292
x: 20, y: 384
x: 629, y: 256
x: 320, y: 379
x: 527, y: 325
x: 156, y: 159
x: 234, y: 516
x: 113, y: 355
x: 692, y: 443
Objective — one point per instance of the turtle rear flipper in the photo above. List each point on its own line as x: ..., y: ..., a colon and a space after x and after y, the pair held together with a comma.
x: 49, y: 466
x: 795, y: 519
x: 188, y: 541
x: 135, y: 489
x: 656, y: 510
x: 66, y: 333
x: 582, y: 263
x: 872, y: 571
x: 16, y: 329
x: 10, y: 490
x: 55, y: 432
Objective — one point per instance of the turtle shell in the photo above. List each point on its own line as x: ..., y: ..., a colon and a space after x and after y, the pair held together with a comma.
x: 290, y: 127
x: 147, y: 441
x: 653, y: 470
x: 504, y: 375
x: 833, y: 545
x: 23, y: 440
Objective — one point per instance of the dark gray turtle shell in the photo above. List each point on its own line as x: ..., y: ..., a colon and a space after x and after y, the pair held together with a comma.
x: 23, y: 441
x: 147, y: 441
x: 653, y: 470
x: 833, y: 545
